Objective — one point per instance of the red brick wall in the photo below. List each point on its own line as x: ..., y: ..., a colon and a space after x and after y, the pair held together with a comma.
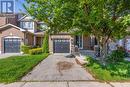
x: 12, y: 21
x: 9, y: 20
x: 2, y: 21
x: 30, y: 39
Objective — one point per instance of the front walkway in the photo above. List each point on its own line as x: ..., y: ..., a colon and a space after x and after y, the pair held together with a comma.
x: 58, y: 68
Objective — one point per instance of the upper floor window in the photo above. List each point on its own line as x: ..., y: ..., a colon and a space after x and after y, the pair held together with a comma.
x: 26, y: 25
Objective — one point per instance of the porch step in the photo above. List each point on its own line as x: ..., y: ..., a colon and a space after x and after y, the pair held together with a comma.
x: 82, y: 55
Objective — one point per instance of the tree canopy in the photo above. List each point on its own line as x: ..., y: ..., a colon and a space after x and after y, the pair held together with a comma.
x: 104, y: 16
x: 104, y: 19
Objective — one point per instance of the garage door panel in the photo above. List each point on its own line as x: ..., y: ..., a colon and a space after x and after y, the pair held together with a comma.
x: 11, y: 45
x: 61, y: 46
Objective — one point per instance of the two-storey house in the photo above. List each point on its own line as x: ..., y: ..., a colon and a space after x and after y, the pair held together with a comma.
x: 15, y: 31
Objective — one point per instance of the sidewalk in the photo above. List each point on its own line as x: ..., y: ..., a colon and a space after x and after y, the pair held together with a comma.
x: 6, y: 55
x: 66, y: 84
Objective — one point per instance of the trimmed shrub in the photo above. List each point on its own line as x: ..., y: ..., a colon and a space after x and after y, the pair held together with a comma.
x: 25, y: 49
x: 35, y: 51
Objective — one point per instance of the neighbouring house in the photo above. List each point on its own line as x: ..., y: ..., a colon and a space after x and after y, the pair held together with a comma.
x: 16, y: 30
x: 125, y: 42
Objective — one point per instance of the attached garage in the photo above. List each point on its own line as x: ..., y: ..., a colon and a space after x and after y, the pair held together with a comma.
x: 61, y: 46
x: 61, y: 43
x: 12, y: 45
x: 11, y: 38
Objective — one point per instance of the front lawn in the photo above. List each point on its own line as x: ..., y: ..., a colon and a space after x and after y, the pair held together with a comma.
x: 112, y: 72
x: 13, y: 68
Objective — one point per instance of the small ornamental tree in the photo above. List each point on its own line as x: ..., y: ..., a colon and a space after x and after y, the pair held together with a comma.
x: 45, y: 45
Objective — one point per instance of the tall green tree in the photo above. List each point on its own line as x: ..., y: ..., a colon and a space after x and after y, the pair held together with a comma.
x: 45, y: 44
x: 105, y: 19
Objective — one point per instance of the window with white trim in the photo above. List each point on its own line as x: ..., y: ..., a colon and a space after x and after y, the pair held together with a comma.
x: 26, y: 25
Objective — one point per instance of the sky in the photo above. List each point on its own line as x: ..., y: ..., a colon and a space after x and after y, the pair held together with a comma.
x: 19, y: 6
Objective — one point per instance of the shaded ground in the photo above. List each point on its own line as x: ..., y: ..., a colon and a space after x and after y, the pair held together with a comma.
x: 58, y: 67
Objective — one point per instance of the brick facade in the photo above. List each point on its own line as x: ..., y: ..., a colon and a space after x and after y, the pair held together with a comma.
x: 2, y: 21
x: 29, y: 39
x: 10, y: 32
x: 9, y: 20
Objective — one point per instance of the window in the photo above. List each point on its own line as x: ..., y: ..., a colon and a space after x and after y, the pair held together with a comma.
x: 26, y: 25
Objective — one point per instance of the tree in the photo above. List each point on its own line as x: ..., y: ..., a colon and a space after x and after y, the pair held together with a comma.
x: 45, y: 44
x: 106, y: 19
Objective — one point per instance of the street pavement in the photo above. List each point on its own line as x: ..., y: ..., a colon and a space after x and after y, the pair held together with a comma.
x: 67, y: 84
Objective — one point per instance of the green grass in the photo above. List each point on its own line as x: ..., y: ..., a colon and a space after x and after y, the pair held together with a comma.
x: 13, y: 68
x: 104, y: 74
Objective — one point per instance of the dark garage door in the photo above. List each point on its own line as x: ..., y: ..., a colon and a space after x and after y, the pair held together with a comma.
x: 61, y: 46
x: 11, y: 45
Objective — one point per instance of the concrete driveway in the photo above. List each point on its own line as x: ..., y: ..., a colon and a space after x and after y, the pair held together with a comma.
x: 6, y: 55
x: 58, y: 68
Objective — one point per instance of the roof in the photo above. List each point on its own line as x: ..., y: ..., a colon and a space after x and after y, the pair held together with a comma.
x: 22, y: 17
x: 7, y: 25
x: 40, y: 33
x: 62, y: 33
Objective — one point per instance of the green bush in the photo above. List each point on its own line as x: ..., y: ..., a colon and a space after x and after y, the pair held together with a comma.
x: 116, y: 56
x: 25, y: 49
x: 35, y: 51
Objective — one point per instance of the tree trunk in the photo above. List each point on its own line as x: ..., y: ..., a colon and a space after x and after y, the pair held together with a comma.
x: 103, y: 52
x: 103, y: 49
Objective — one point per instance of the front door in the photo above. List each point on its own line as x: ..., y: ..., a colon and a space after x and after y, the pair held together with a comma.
x: 79, y: 41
